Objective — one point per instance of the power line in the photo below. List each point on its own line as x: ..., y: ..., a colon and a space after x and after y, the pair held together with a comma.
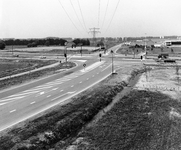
x: 69, y: 17
x: 105, y: 14
x: 99, y: 13
x: 113, y: 15
x: 76, y: 13
x: 82, y: 15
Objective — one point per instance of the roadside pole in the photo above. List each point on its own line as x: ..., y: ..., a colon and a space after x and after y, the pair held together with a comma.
x: 112, y: 62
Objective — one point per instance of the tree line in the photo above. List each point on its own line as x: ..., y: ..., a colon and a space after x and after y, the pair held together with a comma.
x: 42, y: 42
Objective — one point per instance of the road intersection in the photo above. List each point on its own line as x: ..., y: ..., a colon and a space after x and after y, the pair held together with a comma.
x: 25, y: 101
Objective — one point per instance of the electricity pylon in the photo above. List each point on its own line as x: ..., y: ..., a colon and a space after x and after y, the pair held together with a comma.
x: 94, y: 31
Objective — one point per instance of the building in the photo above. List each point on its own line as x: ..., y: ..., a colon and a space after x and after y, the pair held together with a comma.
x: 172, y: 43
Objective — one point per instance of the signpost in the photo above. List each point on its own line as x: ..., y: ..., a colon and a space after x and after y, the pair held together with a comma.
x: 112, y: 62
x: 84, y: 65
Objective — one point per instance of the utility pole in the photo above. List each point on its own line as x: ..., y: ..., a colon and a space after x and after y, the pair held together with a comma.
x: 94, y: 31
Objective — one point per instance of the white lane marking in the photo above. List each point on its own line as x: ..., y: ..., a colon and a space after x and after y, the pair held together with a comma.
x: 61, y: 90
x: 54, y: 83
x: 11, y: 99
x: 72, y: 86
x: 54, y: 89
x: 48, y: 95
x: 2, y: 104
x: 41, y: 93
x: 72, y: 76
x: 33, y: 89
x: 87, y: 78
x: 12, y: 111
x: 71, y: 92
x: 80, y: 82
x: 62, y: 95
x: 32, y: 102
x: 58, y: 97
x: 23, y: 93
x: 106, y: 67
x: 63, y: 80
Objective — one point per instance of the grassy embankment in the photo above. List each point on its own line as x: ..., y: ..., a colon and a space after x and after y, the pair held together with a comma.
x: 62, y: 123
x: 143, y: 120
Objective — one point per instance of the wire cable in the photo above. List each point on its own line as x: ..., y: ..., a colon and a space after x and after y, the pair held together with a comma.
x: 113, y: 15
x: 76, y: 14
x: 105, y: 14
x: 99, y: 13
x: 82, y: 16
x: 69, y: 17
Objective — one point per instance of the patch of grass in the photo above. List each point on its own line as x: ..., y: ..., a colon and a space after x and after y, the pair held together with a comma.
x: 140, y: 121
x: 32, y: 75
x: 10, y: 67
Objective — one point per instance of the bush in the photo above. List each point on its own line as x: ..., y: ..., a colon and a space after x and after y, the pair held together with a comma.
x: 2, y: 45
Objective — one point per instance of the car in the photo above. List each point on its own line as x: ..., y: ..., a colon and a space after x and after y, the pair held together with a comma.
x: 43, y: 57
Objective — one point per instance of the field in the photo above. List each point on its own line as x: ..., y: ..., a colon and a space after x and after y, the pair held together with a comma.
x: 25, y: 65
x: 10, y: 67
x: 10, y: 47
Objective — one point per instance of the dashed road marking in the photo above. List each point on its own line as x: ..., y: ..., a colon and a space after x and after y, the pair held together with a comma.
x: 11, y: 99
x: 24, y: 93
x: 32, y: 102
x: 80, y: 82
x: 72, y: 86
x: 54, y: 89
x: 2, y: 104
x: 12, y: 111
x: 48, y: 95
x: 41, y: 93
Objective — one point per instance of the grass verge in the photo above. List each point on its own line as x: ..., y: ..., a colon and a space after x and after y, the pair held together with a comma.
x: 143, y: 120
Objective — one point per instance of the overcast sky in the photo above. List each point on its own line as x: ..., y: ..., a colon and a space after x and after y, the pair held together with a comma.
x: 74, y: 18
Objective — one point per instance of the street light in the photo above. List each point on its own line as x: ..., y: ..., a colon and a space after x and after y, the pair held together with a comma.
x: 112, y: 62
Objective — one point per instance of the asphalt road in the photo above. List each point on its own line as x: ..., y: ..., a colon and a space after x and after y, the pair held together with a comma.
x: 22, y: 102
